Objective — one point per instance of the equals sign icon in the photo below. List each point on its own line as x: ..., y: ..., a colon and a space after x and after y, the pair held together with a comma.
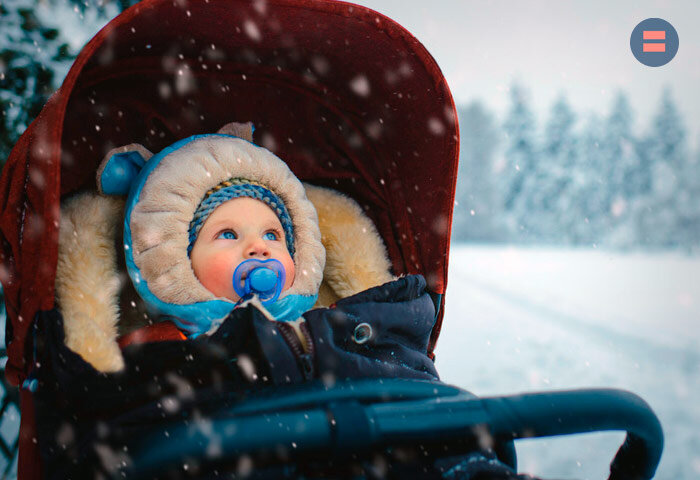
x: 654, y: 46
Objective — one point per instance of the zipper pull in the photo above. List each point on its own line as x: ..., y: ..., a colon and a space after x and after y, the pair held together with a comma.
x: 303, y: 352
x: 307, y: 366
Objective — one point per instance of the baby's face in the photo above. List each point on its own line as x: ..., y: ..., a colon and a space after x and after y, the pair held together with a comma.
x: 235, y: 231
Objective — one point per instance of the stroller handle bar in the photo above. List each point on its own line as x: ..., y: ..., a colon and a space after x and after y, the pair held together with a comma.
x: 570, y: 412
x: 374, y: 413
x: 535, y: 415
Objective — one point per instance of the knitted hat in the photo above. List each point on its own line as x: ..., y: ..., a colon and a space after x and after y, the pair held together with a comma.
x: 170, y: 195
x: 236, y: 188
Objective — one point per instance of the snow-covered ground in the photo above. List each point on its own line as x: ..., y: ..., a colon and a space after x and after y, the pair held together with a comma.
x: 519, y: 319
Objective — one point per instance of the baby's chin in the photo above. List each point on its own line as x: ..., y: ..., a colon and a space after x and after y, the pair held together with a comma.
x: 235, y: 298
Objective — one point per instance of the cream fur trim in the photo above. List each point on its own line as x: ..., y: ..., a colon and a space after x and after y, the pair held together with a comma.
x: 160, y: 219
x: 356, y: 258
x: 87, y: 281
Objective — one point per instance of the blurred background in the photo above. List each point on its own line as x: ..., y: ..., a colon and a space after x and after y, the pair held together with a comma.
x: 576, y: 230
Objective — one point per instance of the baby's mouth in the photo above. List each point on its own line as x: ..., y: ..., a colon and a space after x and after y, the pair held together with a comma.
x: 244, y: 277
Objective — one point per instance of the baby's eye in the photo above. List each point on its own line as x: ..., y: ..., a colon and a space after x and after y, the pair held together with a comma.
x: 227, y: 235
x: 270, y: 236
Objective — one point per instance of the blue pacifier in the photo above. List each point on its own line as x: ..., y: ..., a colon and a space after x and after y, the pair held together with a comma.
x: 264, y: 278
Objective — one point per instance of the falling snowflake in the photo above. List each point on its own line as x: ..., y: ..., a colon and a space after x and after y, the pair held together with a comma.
x: 360, y: 85
x: 252, y: 30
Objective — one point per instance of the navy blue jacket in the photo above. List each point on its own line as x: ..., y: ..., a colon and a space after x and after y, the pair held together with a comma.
x: 381, y: 332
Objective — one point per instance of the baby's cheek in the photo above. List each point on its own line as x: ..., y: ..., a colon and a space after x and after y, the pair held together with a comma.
x: 216, y: 274
x: 290, y: 272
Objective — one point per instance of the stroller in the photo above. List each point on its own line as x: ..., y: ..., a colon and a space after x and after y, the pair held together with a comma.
x: 351, y: 101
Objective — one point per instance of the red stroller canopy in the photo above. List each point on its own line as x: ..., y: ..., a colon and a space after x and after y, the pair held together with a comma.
x: 347, y: 97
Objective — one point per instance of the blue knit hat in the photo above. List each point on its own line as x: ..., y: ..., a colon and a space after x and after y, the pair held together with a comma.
x: 236, y: 188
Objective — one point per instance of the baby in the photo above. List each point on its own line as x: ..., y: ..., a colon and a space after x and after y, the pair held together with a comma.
x: 213, y: 219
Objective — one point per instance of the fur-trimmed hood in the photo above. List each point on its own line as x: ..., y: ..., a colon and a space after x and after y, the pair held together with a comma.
x: 93, y: 291
x: 164, y: 191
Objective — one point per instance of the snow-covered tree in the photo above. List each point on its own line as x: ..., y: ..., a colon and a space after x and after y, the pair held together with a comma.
x: 591, y: 185
x: 688, y: 202
x: 518, y: 161
x: 628, y: 175
x: 30, y: 52
x: 656, y: 214
x: 546, y: 198
x: 625, y: 174
x: 38, y: 42
x: 477, y: 214
x: 563, y: 175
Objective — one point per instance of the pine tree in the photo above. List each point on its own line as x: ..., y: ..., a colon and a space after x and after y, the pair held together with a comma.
x: 688, y: 203
x: 476, y: 213
x: 29, y: 54
x: 35, y: 54
x: 656, y: 214
x: 560, y: 170
x: 592, y: 185
x: 546, y: 196
x: 518, y: 163
x: 626, y: 175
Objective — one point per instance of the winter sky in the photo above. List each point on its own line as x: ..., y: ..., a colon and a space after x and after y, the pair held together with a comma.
x: 576, y: 47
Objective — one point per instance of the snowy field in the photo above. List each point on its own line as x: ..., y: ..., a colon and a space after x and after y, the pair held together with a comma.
x: 522, y: 319
x: 519, y: 319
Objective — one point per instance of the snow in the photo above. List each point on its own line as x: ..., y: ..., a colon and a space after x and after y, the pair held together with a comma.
x: 360, y: 85
x: 538, y: 319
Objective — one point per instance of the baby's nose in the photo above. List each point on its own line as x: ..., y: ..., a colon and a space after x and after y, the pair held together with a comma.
x: 257, y: 248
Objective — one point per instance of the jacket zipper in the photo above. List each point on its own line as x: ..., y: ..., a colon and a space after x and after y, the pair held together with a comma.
x: 304, y: 358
